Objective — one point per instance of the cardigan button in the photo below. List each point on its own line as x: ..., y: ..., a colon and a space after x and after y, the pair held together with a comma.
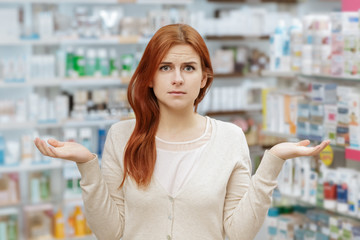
x: 168, y: 237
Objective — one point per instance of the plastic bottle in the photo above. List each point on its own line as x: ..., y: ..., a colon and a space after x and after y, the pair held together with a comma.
x: 69, y: 66
x: 113, y: 64
x: 85, y: 136
x: 104, y: 62
x: 272, y: 222
x: 305, y: 179
x: 12, y: 228
x: 79, y: 222
x: 295, y: 34
x: 353, y: 195
x: 59, y: 227
x: 101, y: 140
x: 44, y: 187
x: 79, y: 62
x: 90, y: 66
x: 3, y: 230
x: 2, y: 151
x: 277, y: 47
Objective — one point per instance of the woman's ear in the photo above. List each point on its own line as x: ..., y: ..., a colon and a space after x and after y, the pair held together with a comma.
x: 151, y: 84
x: 204, y: 80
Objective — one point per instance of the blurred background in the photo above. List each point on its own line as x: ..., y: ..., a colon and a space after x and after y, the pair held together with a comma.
x: 285, y: 70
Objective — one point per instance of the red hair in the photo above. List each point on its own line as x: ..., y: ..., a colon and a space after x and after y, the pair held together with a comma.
x: 140, y: 151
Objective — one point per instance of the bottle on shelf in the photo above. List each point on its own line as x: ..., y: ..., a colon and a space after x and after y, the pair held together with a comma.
x: 79, y: 222
x: 59, y: 226
x: 2, y: 150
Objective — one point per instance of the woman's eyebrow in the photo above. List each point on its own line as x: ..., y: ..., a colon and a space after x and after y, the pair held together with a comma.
x: 182, y: 63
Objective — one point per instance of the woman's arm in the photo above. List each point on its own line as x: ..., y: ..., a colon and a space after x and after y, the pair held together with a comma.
x: 248, y: 198
x: 103, y: 200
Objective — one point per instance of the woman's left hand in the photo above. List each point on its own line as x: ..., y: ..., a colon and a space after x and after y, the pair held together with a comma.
x: 288, y: 150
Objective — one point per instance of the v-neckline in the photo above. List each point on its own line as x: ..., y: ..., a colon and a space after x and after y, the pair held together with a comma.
x: 194, y: 174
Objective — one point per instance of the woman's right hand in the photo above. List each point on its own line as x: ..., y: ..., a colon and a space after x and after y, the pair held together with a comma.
x: 65, y: 150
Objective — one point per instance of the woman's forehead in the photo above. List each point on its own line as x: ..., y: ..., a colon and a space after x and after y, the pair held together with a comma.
x: 181, y: 53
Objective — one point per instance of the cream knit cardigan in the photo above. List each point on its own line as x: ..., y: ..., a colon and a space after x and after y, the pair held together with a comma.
x: 221, y: 197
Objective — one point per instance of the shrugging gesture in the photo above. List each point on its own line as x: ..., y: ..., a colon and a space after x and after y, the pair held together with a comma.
x: 65, y: 150
x: 288, y: 150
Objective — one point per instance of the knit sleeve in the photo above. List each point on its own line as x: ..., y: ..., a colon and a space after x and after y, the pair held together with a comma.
x: 248, y: 198
x: 103, y: 200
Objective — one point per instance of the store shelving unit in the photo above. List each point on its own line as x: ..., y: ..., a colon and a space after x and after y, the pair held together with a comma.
x: 111, y: 40
x: 350, y: 153
x: 69, y: 82
x: 255, y: 108
x: 235, y: 75
x: 69, y: 1
x: 236, y: 37
x: 54, y: 164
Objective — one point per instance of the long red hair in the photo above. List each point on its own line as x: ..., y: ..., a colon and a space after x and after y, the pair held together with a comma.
x: 140, y: 151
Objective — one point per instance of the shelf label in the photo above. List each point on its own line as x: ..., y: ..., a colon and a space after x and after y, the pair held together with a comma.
x: 327, y: 155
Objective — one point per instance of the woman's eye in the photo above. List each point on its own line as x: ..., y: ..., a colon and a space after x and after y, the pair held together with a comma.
x: 165, y: 68
x: 189, y: 68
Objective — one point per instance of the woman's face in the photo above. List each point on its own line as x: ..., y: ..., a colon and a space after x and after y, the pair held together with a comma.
x: 179, y: 78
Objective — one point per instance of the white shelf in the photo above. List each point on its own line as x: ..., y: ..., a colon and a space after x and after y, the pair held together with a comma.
x: 308, y: 204
x: 55, y: 164
x: 74, y: 202
x: 111, y: 40
x: 68, y: 1
x: 280, y: 74
x: 331, y: 78
x: 39, y: 207
x: 93, y: 123
x: 276, y: 134
x: 69, y: 82
x: 68, y: 123
x: 9, y: 211
x: 16, y: 126
x: 91, y: 82
x: 291, y: 75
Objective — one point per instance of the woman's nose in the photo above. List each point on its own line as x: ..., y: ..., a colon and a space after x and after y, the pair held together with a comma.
x: 178, y: 79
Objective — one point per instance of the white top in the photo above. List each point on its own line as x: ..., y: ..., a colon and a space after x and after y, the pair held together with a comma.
x: 221, y: 197
x: 176, y: 161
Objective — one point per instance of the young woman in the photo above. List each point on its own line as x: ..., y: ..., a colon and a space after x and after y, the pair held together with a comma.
x: 172, y: 173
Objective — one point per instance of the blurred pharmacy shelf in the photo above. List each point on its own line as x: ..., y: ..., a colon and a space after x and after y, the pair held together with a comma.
x: 279, y: 135
x: 69, y: 82
x: 306, y: 77
x: 250, y: 108
x: 235, y: 75
x: 330, y: 78
x: 69, y: 1
x: 54, y: 164
x: 299, y: 201
x: 67, y: 123
x: 111, y: 40
x: 9, y: 211
x: 236, y: 37
x: 94, y: 82
x: 279, y: 74
x: 100, y: 1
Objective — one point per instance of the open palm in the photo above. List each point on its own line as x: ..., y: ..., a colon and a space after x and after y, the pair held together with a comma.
x: 65, y: 150
x: 288, y: 150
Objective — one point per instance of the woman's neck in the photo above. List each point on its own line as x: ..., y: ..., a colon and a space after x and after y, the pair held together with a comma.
x: 180, y: 127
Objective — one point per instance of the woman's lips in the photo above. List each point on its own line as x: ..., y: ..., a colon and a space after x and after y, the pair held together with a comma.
x: 176, y: 93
